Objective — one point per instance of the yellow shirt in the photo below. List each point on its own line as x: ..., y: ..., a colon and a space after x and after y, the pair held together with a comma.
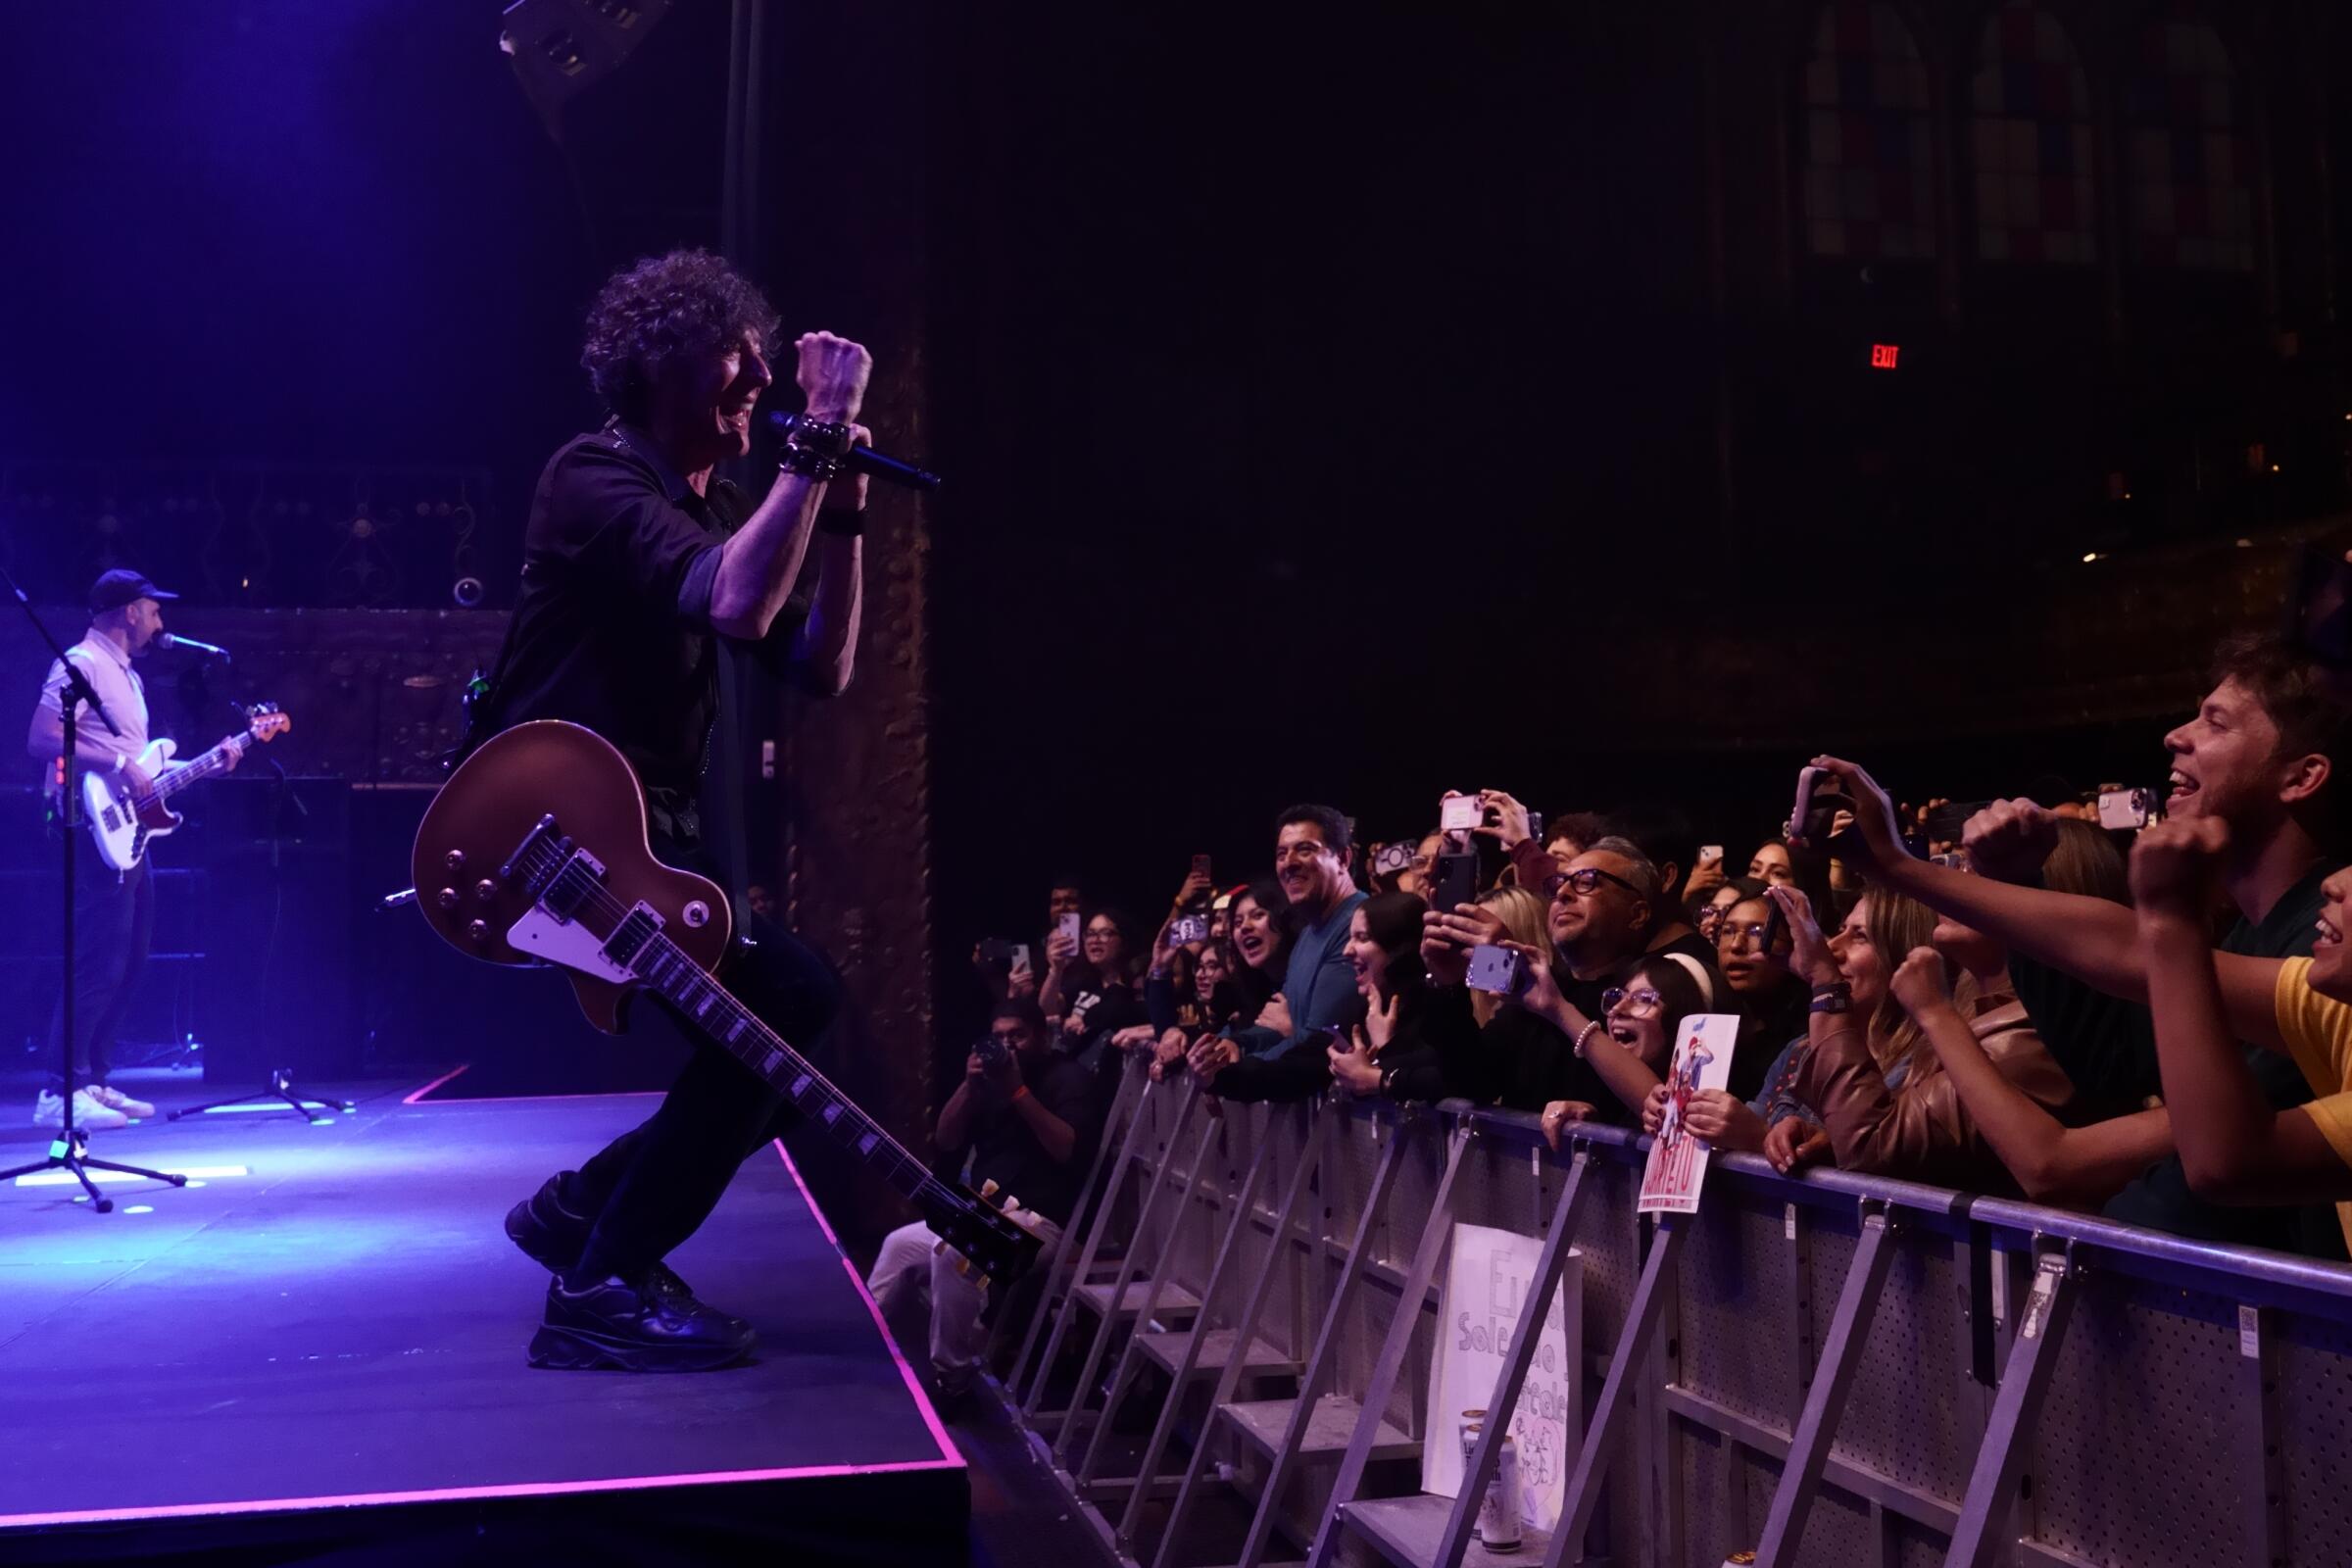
x: 2318, y: 1031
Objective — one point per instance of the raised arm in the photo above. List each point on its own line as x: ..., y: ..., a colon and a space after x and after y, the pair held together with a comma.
x: 2075, y: 1167
x: 2234, y: 1146
x: 2091, y: 938
x: 761, y: 560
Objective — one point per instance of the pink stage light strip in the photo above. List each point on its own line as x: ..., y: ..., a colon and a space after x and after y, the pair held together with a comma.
x: 949, y: 1454
x: 418, y: 1099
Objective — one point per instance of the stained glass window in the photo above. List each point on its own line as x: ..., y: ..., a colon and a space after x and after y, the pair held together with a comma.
x: 2190, y: 156
x: 1869, y: 165
x: 2030, y: 142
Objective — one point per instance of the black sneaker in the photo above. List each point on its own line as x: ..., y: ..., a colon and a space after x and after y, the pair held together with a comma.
x: 549, y: 1233
x: 615, y: 1325
x: 554, y: 1236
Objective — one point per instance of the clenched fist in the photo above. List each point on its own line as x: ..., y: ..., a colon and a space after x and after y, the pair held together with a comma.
x: 832, y: 374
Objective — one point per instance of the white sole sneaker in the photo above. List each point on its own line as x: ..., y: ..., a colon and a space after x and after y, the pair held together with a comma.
x: 49, y: 1110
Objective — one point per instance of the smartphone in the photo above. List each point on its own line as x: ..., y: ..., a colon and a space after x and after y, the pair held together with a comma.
x: 1775, y: 928
x: 996, y: 953
x: 1068, y: 925
x: 2127, y: 811
x: 1390, y: 858
x: 1021, y: 956
x: 1808, y: 824
x: 1458, y: 814
x: 1200, y: 869
x: 1496, y: 969
x: 1710, y: 853
x: 1186, y: 929
x: 1535, y: 826
x: 1456, y: 881
x: 1946, y: 822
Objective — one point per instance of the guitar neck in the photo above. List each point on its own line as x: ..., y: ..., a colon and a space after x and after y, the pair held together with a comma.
x: 206, y: 766
x: 664, y: 967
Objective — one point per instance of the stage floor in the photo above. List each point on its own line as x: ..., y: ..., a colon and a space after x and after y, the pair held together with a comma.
x: 341, y: 1327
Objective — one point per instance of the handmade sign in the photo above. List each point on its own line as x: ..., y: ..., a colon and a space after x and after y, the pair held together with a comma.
x: 1677, y: 1160
x: 1479, y: 1316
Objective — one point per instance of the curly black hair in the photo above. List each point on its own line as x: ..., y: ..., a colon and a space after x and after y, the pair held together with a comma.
x: 688, y: 301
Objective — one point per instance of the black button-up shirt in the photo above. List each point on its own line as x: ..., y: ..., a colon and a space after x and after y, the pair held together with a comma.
x: 612, y: 626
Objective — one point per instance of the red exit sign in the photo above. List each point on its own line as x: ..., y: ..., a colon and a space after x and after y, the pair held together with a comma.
x: 1884, y: 355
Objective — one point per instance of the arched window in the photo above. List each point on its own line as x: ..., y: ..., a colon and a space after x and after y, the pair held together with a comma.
x: 2029, y: 132
x: 1869, y: 177
x: 2191, y: 154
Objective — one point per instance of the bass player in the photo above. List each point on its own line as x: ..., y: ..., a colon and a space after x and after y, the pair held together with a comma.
x: 113, y: 912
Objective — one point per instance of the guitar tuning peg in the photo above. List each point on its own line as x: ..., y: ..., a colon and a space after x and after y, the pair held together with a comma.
x: 1013, y: 1205
x: 988, y: 1189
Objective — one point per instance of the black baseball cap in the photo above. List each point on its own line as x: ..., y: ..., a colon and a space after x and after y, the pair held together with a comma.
x: 121, y: 587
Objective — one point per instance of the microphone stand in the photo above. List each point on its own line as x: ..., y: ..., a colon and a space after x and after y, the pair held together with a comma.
x: 67, y: 1151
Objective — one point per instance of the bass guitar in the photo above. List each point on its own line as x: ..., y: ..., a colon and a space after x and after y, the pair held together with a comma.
x: 535, y: 853
x: 122, y: 820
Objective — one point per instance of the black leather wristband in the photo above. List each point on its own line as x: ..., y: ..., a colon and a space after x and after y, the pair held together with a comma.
x: 843, y: 523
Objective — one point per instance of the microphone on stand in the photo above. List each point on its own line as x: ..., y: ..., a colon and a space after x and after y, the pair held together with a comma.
x: 166, y: 639
x: 866, y: 460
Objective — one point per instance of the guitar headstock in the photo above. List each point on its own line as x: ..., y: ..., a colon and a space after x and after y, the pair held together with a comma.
x: 264, y: 721
x: 997, y: 1237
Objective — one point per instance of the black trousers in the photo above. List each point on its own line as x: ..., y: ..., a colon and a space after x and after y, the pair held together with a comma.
x: 653, y: 1187
x: 114, y: 918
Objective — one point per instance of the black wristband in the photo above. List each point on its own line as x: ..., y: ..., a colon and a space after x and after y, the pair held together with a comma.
x: 811, y: 464
x: 842, y: 522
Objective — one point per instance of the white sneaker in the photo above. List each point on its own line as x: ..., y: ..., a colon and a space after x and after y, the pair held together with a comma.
x: 49, y: 1110
x: 114, y: 1098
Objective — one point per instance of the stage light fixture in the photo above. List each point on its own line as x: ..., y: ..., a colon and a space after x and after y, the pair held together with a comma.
x: 561, y: 48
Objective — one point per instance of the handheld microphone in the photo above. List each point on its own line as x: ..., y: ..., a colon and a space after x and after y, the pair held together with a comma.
x: 866, y: 460
x: 164, y: 639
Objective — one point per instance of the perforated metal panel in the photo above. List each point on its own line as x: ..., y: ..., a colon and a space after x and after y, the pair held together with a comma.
x: 1738, y: 1301
x: 2139, y: 1457
x: 1911, y: 1415
x: 2315, y: 1429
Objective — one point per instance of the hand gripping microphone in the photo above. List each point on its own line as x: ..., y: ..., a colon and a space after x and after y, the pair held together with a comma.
x: 866, y: 460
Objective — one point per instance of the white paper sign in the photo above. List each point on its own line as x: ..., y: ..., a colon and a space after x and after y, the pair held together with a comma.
x: 1487, y: 1281
x: 1678, y: 1162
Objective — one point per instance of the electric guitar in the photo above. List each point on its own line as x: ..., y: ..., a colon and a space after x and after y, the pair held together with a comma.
x: 122, y: 820
x: 535, y: 853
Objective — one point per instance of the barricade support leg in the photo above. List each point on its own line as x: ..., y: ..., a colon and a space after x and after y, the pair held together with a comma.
x: 1984, y: 1536
x: 1631, y: 1355
x: 1825, y: 1400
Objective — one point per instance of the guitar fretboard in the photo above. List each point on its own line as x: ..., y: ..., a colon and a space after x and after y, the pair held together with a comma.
x: 211, y: 762
x: 636, y: 943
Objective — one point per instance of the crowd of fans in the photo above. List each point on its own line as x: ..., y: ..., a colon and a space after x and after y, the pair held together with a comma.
x: 2156, y: 1025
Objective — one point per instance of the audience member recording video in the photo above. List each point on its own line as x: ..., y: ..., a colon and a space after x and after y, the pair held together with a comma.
x: 2027, y: 996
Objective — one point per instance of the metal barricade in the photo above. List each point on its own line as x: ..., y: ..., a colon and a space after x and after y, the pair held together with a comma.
x: 1832, y: 1370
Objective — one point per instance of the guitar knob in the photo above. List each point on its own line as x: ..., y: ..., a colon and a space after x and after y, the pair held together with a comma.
x: 447, y: 898
x: 480, y: 930
x: 698, y: 915
x: 485, y: 890
x: 455, y: 859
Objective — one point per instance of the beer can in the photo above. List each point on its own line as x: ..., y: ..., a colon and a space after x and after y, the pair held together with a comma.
x: 1499, y: 1511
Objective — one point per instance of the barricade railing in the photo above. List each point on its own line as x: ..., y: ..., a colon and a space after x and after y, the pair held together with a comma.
x: 1832, y: 1370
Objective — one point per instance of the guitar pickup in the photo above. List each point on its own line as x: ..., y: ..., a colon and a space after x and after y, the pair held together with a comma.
x: 638, y: 927
x: 580, y: 875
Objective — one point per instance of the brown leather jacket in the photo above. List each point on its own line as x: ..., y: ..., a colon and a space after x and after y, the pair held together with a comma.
x: 1919, y: 1131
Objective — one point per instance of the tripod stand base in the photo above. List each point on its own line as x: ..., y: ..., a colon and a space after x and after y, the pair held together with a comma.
x: 279, y: 1086
x: 67, y: 1153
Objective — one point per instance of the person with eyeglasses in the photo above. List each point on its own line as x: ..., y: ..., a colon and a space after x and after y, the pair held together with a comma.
x: 1602, y: 909
x: 1639, y: 1019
